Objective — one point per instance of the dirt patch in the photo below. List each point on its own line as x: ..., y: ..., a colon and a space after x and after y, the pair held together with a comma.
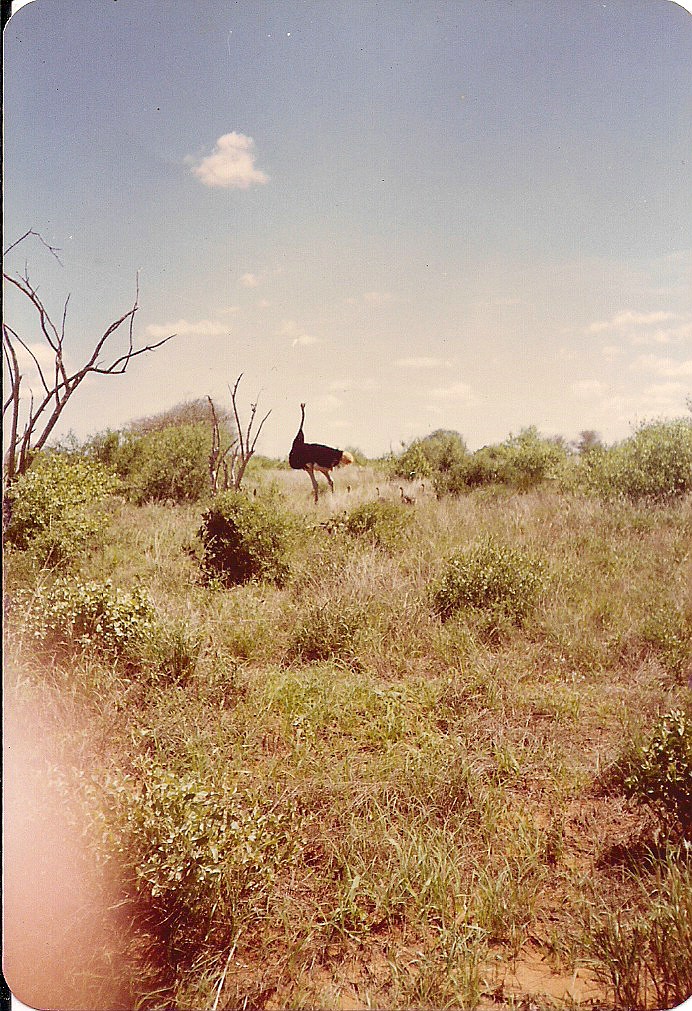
x: 530, y: 982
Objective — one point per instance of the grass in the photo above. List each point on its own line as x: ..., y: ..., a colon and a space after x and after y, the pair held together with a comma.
x: 325, y: 794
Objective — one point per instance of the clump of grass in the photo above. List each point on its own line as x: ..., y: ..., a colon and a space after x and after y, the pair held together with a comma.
x: 177, y: 650
x: 380, y: 521
x: 490, y: 577
x: 669, y: 632
x: 637, y: 952
x: 444, y: 976
x: 328, y: 631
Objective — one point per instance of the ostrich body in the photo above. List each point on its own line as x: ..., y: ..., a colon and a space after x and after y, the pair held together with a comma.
x: 312, y: 456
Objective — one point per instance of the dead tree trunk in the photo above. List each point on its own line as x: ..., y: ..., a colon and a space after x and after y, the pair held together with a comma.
x: 218, y: 462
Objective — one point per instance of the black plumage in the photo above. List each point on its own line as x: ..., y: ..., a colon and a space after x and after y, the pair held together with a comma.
x: 312, y: 456
x: 303, y: 453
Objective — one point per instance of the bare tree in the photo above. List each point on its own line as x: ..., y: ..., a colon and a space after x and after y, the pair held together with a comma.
x: 31, y: 421
x: 233, y: 460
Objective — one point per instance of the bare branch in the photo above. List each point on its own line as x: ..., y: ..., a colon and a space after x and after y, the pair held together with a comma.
x: 54, y: 250
x: 29, y: 352
x: 247, y: 441
x: 41, y: 418
x: 47, y: 326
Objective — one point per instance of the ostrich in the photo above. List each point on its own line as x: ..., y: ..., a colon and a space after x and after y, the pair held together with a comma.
x: 406, y: 499
x: 312, y: 456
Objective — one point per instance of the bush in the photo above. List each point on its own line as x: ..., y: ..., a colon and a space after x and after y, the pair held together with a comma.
x: 171, y: 464
x: 532, y: 459
x: 523, y: 461
x: 438, y: 453
x: 245, y: 539
x: 654, y: 463
x: 380, y: 521
x: 201, y: 853
x: 54, y: 507
x: 70, y: 617
x: 660, y: 774
x: 491, y: 577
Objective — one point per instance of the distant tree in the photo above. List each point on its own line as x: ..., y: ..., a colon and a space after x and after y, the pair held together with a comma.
x: 189, y: 412
x: 31, y: 421
x: 588, y: 441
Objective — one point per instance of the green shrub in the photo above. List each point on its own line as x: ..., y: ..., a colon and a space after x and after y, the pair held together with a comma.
x: 488, y: 465
x: 654, y: 463
x: 380, y: 521
x: 490, y: 576
x: 660, y: 773
x: 245, y: 539
x: 523, y: 461
x: 199, y: 852
x: 532, y: 459
x: 69, y: 617
x: 171, y: 464
x: 438, y: 453
x: 56, y: 506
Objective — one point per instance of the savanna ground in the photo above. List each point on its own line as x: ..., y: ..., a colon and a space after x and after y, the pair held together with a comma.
x: 329, y: 793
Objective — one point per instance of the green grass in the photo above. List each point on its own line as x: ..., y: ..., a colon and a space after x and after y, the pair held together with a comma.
x: 326, y: 793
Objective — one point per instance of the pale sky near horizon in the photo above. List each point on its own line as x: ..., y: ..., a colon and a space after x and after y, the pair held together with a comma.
x: 463, y: 214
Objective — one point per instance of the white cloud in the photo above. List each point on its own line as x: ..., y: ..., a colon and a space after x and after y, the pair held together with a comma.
x: 377, y: 297
x: 249, y: 280
x: 460, y: 392
x: 289, y: 328
x: 611, y: 352
x: 186, y: 328
x: 628, y: 320
x: 325, y: 403
x: 587, y: 389
x: 43, y: 354
x: 665, y: 391
x: 664, y: 367
x: 422, y: 363
x: 664, y: 398
x: 645, y: 328
x: 231, y: 165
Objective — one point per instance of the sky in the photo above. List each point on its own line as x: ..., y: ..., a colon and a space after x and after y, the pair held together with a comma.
x: 464, y: 214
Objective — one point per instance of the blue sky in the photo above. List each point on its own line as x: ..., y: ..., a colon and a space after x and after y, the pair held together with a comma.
x: 465, y: 214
